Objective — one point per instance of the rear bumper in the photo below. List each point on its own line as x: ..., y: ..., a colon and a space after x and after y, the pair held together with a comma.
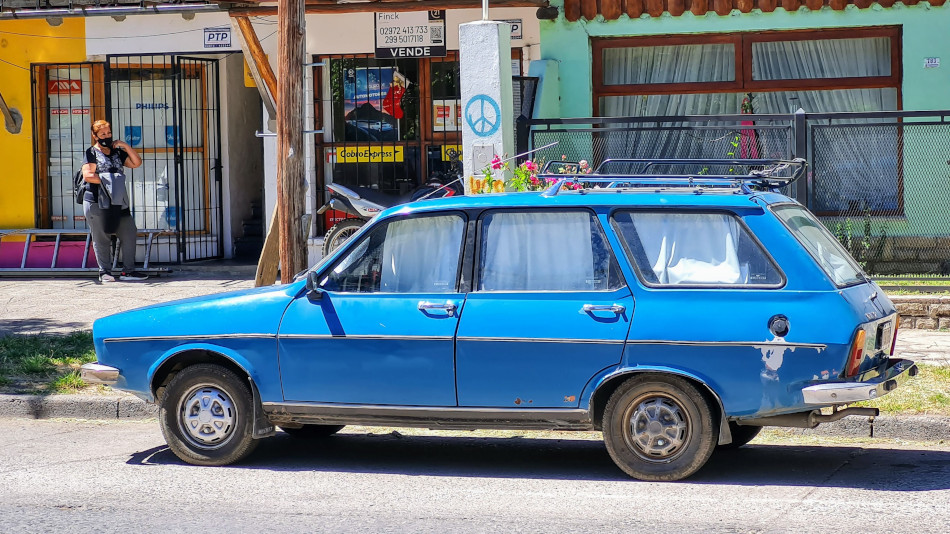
x: 896, y: 372
x: 96, y: 373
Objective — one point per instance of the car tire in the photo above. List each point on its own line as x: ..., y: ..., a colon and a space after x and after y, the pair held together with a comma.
x: 312, y: 431
x: 339, y: 233
x: 659, y: 428
x: 206, y: 416
x: 741, y: 435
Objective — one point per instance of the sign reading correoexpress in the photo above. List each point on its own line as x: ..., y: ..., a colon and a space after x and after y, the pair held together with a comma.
x: 410, y: 34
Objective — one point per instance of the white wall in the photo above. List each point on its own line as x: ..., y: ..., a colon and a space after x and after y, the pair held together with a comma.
x: 154, y: 34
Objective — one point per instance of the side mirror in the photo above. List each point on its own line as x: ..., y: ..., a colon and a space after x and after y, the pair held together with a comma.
x: 313, y: 286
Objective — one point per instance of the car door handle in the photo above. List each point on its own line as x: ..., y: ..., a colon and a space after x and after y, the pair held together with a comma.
x: 448, y: 307
x: 616, y: 308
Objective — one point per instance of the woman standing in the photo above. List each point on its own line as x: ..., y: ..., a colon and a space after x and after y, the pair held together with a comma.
x: 106, y: 202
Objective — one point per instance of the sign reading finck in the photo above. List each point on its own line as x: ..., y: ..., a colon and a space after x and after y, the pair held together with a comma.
x: 410, y: 34
x: 369, y: 154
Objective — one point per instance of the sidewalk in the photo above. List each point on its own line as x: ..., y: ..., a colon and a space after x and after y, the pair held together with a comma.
x: 63, y: 305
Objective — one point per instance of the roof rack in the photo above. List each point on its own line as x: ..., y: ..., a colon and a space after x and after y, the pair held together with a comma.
x: 736, y: 175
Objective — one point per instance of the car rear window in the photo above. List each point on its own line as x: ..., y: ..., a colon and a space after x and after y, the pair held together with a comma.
x: 694, y: 249
x: 827, y: 251
x: 545, y: 251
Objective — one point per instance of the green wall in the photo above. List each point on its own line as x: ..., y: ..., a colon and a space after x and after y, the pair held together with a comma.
x: 926, y: 33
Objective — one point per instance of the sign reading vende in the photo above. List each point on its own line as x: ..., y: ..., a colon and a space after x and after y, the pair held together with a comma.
x: 410, y: 34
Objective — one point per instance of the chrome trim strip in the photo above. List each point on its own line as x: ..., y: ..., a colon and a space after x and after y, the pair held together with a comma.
x: 544, y: 340
x: 897, y: 373
x: 195, y: 337
x: 819, y: 346
x: 519, y: 413
x: 436, y: 417
x: 364, y: 337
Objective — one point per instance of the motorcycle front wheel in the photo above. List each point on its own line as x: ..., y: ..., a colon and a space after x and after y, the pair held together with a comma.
x: 339, y: 233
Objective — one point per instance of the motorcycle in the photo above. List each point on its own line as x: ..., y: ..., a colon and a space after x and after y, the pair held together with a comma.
x: 362, y: 204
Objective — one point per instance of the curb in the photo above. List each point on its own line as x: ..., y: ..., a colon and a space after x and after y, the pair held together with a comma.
x: 75, y: 407
x: 905, y: 427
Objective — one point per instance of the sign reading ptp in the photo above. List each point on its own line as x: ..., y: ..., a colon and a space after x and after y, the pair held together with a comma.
x: 218, y: 37
x: 410, y: 34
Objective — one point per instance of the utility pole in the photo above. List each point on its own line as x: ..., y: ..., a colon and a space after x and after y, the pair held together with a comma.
x: 290, y: 123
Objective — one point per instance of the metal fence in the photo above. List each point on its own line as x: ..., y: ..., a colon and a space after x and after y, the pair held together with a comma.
x: 879, y: 181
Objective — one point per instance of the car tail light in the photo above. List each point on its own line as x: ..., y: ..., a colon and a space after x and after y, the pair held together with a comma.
x: 857, y: 354
x: 897, y: 323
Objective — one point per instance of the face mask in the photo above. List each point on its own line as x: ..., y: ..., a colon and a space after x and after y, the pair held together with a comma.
x: 107, y: 142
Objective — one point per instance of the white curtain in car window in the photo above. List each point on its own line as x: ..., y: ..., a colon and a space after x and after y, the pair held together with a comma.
x: 536, y: 252
x: 691, y: 248
x: 421, y: 255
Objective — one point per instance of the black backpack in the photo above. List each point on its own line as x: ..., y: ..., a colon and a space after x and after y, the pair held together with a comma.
x: 79, y: 186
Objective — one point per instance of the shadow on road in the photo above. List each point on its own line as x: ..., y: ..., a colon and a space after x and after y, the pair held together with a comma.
x: 33, y: 326
x: 759, y: 465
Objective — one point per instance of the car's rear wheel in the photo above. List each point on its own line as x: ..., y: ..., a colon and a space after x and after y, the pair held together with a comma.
x: 205, y: 416
x: 312, y: 431
x: 659, y: 427
x: 741, y: 435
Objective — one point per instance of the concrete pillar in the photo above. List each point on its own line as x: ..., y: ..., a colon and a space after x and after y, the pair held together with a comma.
x: 487, y: 109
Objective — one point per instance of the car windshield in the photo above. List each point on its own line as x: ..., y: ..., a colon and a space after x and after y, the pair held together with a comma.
x: 823, y: 246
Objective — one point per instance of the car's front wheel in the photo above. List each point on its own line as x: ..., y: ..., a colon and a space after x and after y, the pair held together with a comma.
x: 205, y: 415
x: 659, y: 427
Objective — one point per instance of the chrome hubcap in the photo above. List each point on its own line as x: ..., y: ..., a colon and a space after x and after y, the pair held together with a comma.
x: 658, y: 428
x: 207, y: 416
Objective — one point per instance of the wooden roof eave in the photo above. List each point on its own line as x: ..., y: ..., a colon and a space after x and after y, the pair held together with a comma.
x: 575, y: 10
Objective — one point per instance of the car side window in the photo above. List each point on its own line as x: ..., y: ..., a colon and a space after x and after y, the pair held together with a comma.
x: 545, y: 251
x: 706, y: 249
x: 410, y: 255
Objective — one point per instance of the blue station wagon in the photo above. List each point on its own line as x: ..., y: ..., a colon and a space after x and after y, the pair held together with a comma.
x: 674, y: 312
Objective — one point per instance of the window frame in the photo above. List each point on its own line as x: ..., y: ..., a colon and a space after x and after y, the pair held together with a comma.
x: 366, y: 233
x: 743, y: 77
x: 631, y: 259
x: 477, y: 242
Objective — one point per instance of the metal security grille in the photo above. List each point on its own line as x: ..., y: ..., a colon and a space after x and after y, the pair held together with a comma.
x: 878, y: 181
x: 67, y: 97
x: 713, y: 137
x: 389, y: 124
x: 881, y: 187
x: 167, y: 108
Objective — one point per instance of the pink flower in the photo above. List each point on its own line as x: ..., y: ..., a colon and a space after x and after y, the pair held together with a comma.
x: 531, y: 166
x: 578, y: 186
x: 534, y: 180
x: 496, y: 163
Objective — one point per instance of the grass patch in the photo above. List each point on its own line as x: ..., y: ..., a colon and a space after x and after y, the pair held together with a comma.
x: 35, y: 365
x: 67, y: 383
x: 44, y: 363
x: 927, y: 393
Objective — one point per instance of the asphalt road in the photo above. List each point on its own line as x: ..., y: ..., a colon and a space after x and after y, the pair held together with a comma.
x: 70, y: 476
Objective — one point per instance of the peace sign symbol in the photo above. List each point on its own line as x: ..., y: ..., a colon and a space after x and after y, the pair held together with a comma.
x: 483, y: 115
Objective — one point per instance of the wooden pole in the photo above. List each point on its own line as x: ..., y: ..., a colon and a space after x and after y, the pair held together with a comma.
x: 290, y: 153
x: 266, y: 83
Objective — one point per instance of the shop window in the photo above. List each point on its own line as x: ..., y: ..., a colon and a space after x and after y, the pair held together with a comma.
x: 853, y: 70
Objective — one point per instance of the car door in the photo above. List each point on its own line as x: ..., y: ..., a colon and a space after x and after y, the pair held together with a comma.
x: 549, y: 310
x: 381, y: 327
